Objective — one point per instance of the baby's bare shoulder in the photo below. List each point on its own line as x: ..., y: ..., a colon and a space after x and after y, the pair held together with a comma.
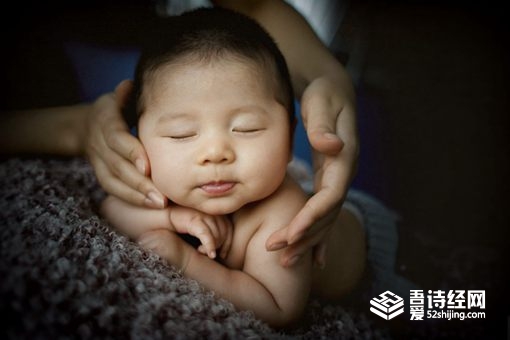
x: 256, y: 222
x: 281, y: 207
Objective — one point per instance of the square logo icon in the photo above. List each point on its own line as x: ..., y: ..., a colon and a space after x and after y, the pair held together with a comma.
x: 387, y: 305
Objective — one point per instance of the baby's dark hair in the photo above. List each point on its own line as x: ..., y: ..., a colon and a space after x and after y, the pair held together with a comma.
x: 208, y: 34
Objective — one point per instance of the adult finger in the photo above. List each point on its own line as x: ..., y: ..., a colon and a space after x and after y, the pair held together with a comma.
x: 120, y: 141
x: 118, y: 188
x: 332, y: 183
x: 313, y: 237
x: 123, y: 91
x: 122, y: 153
x: 317, y: 207
x: 121, y: 179
x: 294, y: 253
x: 309, y: 220
x: 319, y: 118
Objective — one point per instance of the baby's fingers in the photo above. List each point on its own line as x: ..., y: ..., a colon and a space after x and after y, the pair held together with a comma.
x: 201, y: 249
x: 200, y: 230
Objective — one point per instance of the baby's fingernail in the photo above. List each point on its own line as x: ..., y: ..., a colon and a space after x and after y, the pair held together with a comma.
x: 277, y: 246
x: 293, y: 260
x: 156, y: 199
x: 212, y: 254
x: 140, y: 165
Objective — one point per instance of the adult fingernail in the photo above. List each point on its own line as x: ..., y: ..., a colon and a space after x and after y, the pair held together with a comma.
x: 296, y: 237
x: 156, y: 199
x: 330, y: 135
x: 293, y: 260
x: 277, y: 246
x: 140, y: 165
x: 149, y: 203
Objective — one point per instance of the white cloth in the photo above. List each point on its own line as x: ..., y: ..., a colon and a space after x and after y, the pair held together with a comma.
x: 176, y: 7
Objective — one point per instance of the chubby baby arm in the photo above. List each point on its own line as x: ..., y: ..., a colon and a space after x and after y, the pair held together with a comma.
x: 276, y: 295
x: 133, y: 220
x: 140, y: 224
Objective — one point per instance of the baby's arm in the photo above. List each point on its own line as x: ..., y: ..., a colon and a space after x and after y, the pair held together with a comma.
x: 135, y: 221
x: 277, y: 295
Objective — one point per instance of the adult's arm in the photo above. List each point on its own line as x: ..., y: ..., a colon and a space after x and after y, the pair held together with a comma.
x: 57, y: 130
x: 97, y: 131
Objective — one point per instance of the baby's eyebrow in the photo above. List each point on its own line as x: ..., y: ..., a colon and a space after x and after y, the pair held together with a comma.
x: 250, y: 109
x: 171, y: 116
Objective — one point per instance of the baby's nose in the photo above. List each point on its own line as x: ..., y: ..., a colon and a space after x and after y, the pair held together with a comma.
x: 217, y: 150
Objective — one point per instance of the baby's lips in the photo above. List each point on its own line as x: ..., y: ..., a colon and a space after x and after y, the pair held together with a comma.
x: 217, y: 188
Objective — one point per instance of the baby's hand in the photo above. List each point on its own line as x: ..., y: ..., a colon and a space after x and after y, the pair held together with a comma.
x: 214, y: 232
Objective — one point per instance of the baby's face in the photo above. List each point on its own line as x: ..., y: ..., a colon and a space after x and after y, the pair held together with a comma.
x: 215, y: 135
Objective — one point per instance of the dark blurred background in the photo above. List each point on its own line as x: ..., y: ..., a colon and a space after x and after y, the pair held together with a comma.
x: 433, y: 105
x: 434, y: 118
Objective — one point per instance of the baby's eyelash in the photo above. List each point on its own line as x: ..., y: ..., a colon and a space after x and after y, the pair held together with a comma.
x: 247, y: 130
x: 183, y: 136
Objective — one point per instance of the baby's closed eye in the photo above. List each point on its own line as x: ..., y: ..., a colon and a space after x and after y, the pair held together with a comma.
x: 249, y: 124
x: 248, y: 129
x: 180, y: 132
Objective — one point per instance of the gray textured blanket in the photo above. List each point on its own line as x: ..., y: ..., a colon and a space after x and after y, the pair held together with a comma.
x: 66, y: 274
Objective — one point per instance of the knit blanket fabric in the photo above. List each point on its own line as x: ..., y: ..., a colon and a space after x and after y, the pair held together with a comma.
x: 64, y: 273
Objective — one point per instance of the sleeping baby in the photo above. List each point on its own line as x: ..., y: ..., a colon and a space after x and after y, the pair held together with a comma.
x: 214, y: 108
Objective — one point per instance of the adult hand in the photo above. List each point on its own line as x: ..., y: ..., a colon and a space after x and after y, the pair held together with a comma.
x: 119, y: 159
x: 329, y: 118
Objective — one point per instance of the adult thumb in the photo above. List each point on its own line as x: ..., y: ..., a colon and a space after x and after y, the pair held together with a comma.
x: 321, y: 127
x: 123, y: 91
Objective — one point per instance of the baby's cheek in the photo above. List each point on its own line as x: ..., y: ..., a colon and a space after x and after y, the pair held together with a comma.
x: 170, y: 183
x: 268, y: 174
x: 165, y: 184
x: 160, y: 177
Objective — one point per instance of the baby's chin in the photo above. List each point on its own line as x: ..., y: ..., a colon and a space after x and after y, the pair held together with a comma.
x: 216, y: 211
x: 217, y: 208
